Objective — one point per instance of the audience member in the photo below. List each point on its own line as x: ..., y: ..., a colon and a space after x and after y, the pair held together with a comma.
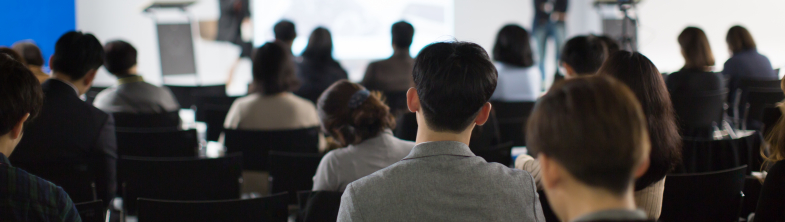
x: 772, y: 195
x: 441, y: 179
x: 131, y: 94
x: 745, y: 62
x: 285, y: 32
x: 519, y: 79
x: 33, y: 58
x: 318, y: 70
x: 582, y: 55
x: 590, y: 176
x: 696, y: 75
x: 23, y: 196
x: 13, y: 54
x: 395, y: 73
x: 68, y: 129
x: 611, y: 45
x: 360, y: 121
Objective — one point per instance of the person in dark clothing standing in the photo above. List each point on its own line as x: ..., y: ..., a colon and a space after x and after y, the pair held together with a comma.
x: 233, y: 13
x: 318, y: 70
x: 549, y: 17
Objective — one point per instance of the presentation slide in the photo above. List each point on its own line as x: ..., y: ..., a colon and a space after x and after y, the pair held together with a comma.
x: 360, y: 28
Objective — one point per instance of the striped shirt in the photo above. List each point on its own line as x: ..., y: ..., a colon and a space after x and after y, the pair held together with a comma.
x: 25, y: 197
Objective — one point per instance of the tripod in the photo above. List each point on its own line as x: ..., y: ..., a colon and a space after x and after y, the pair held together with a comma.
x: 626, y: 39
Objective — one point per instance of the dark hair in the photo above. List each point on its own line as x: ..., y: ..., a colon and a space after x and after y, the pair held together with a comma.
x: 13, y: 54
x: 320, y: 45
x: 739, y: 39
x: 594, y: 127
x: 696, y: 48
x: 20, y: 93
x: 352, y: 126
x: 120, y: 56
x: 30, y: 52
x: 643, y: 78
x: 584, y: 54
x: 76, y: 54
x: 513, y: 46
x: 402, y: 34
x: 611, y: 45
x: 453, y: 81
x: 273, y: 69
x: 284, y: 30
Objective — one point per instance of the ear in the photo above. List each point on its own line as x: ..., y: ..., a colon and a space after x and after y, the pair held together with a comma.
x: 413, y: 100
x: 16, y: 131
x: 643, y: 167
x: 485, y: 112
x: 88, y: 79
x: 551, y: 176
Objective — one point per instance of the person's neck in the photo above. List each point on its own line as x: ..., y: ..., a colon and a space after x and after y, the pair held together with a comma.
x: 400, y: 52
x: 585, y: 200
x: 425, y: 134
x: 66, y: 78
x: 6, y: 145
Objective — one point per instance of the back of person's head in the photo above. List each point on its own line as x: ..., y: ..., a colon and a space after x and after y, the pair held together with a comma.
x: 402, y: 34
x: 30, y: 52
x: 592, y: 127
x: 320, y: 45
x: 695, y: 48
x: 513, y: 46
x: 739, y: 39
x: 611, y: 45
x: 120, y: 57
x: 76, y: 54
x: 284, y: 30
x: 20, y: 94
x: 352, y: 114
x: 646, y: 82
x: 584, y: 54
x: 273, y: 69
x: 13, y: 54
x: 454, y: 80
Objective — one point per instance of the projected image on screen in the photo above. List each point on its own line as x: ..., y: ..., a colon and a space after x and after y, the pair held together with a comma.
x: 360, y: 28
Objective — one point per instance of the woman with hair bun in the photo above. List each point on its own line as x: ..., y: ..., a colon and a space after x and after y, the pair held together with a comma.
x: 360, y: 121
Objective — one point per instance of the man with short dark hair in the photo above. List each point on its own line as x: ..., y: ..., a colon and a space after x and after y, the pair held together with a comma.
x: 592, y: 140
x: 441, y: 179
x: 582, y: 55
x: 285, y: 32
x: 131, y: 94
x: 23, y: 196
x: 395, y: 73
x: 68, y: 129
x: 32, y: 55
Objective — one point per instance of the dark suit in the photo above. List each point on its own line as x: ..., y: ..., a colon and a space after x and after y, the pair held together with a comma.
x: 316, y: 76
x: 688, y: 81
x: 229, y: 24
x: 69, y: 130
x: 390, y: 75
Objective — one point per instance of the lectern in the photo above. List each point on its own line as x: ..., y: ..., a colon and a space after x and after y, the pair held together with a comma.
x: 175, y: 37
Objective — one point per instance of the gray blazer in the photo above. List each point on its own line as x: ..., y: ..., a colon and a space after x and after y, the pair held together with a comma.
x: 442, y: 181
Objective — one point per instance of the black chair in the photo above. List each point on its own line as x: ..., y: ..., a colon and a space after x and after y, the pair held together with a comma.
x: 318, y: 206
x: 169, y: 120
x: 186, y: 95
x: 512, y: 117
x: 770, y: 117
x: 698, y: 113
x: 213, y: 110
x: 501, y: 153
x: 292, y: 172
x: 77, y: 179
x: 143, y: 142
x: 179, y: 179
x: 256, y: 144
x: 757, y: 100
x: 93, y: 211
x: 742, y: 93
x: 272, y: 208
x: 92, y: 93
x: 708, y: 155
x: 713, y: 196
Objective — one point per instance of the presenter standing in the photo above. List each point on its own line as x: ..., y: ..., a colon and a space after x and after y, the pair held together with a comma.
x: 549, y: 16
x: 233, y: 14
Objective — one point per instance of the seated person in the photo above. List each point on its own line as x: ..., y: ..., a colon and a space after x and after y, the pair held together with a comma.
x: 393, y: 74
x: 69, y: 130
x: 318, y: 70
x: 33, y: 58
x: 745, y: 62
x: 131, y: 94
x: 360, y: 121
x: 583, y: 55
x: 33, y: 198
x: 772, y: 195
x: 441, y: 179
x: 590, y: 133
x: 696, y: 75
x: 519, y: 79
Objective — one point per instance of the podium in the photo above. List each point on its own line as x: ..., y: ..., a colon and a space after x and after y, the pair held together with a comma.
x: 175, y: 37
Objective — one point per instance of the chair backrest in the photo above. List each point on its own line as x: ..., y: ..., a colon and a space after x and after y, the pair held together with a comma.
x: 92, y: 93
x: 77, y: 179
x: 153, y: 120
x: 713, y: 196
x: 292, y: 172
x: 709, y: 155
x: 512, y: 117
x: 758, y: 99
x: 257, y: 144
x: 319, y: 206
x: 501, y: 153
x: 213, y: 102
x: 186, y: 95
x: 770, y: 117
x: 93, y: 211
x: 152, y: 143
x: 179, y: 178
x: 699, y: 111
x: 213, y: 110
x: 272, y: 208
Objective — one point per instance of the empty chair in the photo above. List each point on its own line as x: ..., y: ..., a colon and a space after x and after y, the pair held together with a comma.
x: 179, y: 179
x: 739, y: 100
x: 512, y: 117
x: 292, y: 172
x: 713, y: 196
x: 319, y: 206
x: 153, y: 143
x: 256, y: 144
x: 708, y: 155
x: 170, y: 120
x: 501, y: 153
x: 698, y: 113
x: 186, y: 95
x: 77, y: 179
x: 212, y: 110
x: 272, y: 208
x: 757, y: 100
x: 93, y: 211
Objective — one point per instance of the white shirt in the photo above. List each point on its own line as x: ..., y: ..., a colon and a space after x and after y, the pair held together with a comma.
x: 517, y: 84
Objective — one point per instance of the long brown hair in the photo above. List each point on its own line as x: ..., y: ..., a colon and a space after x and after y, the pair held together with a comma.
x: 352, y: 125
x: 695, y: 46
x: 776, y: 141
x: 739, y: 39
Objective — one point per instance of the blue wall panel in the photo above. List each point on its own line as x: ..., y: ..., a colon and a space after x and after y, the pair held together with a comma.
x: 43, y: 21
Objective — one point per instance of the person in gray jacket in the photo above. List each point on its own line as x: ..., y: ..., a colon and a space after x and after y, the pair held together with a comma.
x: 441, y: 179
